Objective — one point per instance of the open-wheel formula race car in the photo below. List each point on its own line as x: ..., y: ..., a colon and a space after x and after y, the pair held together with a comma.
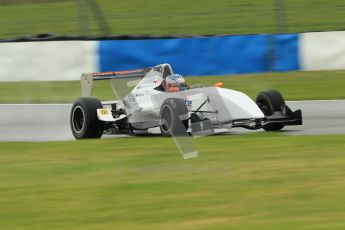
x: 143, y: 104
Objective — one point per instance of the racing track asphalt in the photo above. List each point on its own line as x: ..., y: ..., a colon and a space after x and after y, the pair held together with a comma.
x: 50, y: 122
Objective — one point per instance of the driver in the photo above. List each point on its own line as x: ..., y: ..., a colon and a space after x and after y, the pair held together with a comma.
x: 172, y: 83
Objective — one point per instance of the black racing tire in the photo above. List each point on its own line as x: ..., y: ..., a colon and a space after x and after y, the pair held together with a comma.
x: 270, y: 101
x: 174, y: 117
x: 84, y: 120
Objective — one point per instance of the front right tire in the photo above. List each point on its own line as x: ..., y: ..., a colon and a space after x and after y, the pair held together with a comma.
x: 84, y: 121
x: 270, y: 101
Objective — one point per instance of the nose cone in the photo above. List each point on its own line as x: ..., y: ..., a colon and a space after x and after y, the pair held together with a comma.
x: 240, y: 105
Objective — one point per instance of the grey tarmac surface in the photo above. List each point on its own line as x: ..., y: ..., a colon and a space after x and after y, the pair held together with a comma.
x: 50, y: 122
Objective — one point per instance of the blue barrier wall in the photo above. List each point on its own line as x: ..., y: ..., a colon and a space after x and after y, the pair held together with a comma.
x: 204, y: 55
x: 286, y: 52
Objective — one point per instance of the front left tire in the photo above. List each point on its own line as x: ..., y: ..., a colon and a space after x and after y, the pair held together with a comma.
x: 83, y: 119
x: 174, y: 117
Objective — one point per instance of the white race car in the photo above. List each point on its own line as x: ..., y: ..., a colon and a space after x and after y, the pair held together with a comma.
x: 143, y: 104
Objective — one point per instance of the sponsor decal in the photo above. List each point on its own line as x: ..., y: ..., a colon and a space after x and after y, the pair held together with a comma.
x: 188, y: 102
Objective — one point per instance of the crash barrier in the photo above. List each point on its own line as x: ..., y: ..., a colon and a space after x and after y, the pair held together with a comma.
x: 322, y: 50
x: 210, y: 55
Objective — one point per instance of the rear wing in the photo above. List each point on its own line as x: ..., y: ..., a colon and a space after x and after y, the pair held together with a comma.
x: 86, y: 79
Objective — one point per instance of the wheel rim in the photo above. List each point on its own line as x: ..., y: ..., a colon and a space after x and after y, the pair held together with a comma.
x: 166, y: 119
x: 264, y: 107
x: 78, y: 119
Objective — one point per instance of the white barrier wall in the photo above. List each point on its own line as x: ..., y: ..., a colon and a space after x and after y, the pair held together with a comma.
x: 47, y: 61
x: 322, y: 50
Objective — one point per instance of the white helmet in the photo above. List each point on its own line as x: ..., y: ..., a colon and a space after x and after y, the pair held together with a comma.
x: 175, y: 79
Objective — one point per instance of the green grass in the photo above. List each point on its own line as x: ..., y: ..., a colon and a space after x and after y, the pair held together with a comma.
x: 192, y: 17
x: 253, y: 181
x: 293, y: 85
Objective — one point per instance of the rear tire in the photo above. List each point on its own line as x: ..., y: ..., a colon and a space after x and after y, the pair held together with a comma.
x: 174, y: 117
x: 84, y: 120
x: 270, y: 101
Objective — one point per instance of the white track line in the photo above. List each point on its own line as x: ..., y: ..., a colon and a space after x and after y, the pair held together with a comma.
x: 36, y: 104
x: 334, y: 100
